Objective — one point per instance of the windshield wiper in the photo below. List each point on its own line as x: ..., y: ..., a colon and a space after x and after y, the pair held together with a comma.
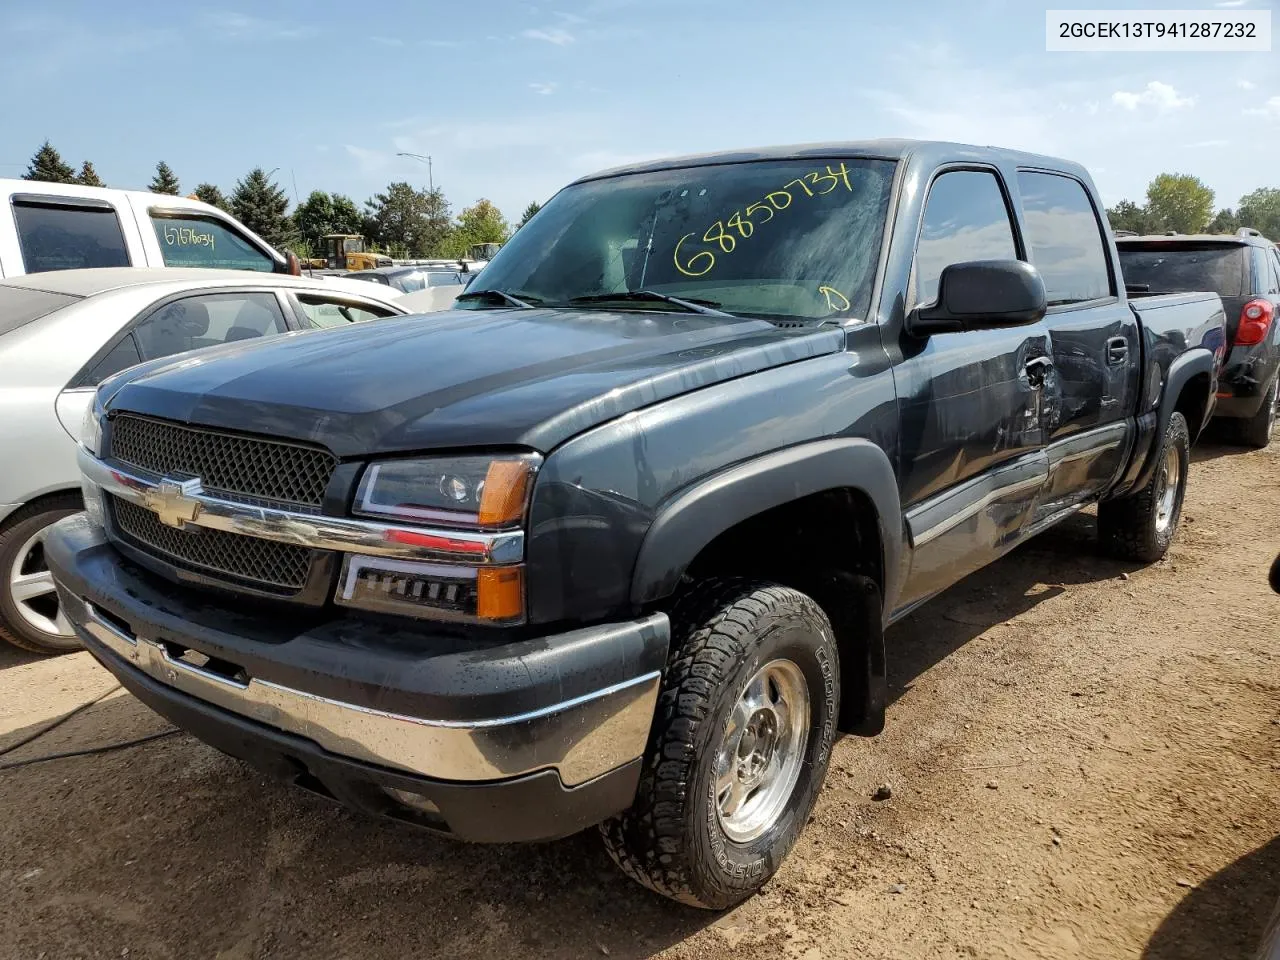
x: 524, y: 301
x: 693, y: 305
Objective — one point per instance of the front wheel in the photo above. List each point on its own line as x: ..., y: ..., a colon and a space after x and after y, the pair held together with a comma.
x: 739, y: 746
x: 31, y: 616
x: 1141, y: 526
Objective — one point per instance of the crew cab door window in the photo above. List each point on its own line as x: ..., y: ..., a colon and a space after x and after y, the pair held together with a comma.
x: 58, y: 234
x: 206, y: 242
x: 204, y: 321
x: 325, y: 312
x: 1064, y: 238
x: 965, y: 218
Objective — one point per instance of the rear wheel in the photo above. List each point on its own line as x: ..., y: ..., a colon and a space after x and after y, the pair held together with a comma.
x: 1256, y: 431
x: 1141, y: 526
x: 739, y: 746
x: 30, y: 615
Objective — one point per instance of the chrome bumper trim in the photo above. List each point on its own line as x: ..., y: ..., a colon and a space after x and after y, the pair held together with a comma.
x: 308, y: 530
x: 581, y: 738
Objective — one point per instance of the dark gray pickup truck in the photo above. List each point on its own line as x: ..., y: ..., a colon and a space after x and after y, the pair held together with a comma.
x: 617, y: 541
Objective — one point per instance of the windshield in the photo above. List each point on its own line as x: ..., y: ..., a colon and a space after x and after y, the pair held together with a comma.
x: 794, y: 239
x: 1185, y: 268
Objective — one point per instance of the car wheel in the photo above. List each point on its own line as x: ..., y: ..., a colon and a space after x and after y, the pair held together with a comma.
x: 30, y: 615
x: 1141, y: 526
x: 1256, y: 431
x: 739, y: 747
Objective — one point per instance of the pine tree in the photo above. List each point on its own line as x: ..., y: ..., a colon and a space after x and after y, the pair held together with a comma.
x: 165, y: 180
x: 211, y: 195
x: 89, y: 176
x: 49, y: 166
x: 262, y: 206
x: 529, y: 211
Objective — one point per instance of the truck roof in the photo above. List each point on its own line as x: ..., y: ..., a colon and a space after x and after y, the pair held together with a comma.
x: 940, y: 151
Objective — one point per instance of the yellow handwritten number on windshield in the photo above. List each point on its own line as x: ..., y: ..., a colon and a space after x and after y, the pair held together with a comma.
x: 741, y: 221
x: 835, y: 299
x: 687, y: 267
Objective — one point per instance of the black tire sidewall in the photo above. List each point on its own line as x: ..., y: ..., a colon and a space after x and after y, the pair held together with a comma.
x: 11, y: 619
x: 736, y: 869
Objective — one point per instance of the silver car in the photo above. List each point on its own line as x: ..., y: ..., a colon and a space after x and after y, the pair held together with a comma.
x: 62, y: 333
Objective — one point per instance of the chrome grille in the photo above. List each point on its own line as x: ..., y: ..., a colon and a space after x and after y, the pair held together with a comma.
x: 264, y: 563
x: 227, y: 464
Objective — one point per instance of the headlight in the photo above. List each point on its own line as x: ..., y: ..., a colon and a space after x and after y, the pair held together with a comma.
x: 486, y: 492
x: 91, y: 429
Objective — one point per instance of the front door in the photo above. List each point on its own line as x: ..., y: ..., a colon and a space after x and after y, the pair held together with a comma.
x: 969, y: 404
x: 1093, y: 383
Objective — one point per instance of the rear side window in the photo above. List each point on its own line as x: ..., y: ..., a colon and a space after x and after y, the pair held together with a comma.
x: 1264, y: 278
x: 205, y: 321
x: 965, y: 218
x: 1064, y: 238
x: 206, y: 242
x: 68, y: 237
x: 122, y: 356
x: 19, y: 306
x: 1185, y: 267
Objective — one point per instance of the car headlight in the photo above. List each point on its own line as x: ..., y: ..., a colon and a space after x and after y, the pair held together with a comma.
x: 489, y: 493
x: 476, y: 492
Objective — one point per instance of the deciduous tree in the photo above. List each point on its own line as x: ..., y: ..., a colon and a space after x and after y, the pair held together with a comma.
x: 1180, y: 201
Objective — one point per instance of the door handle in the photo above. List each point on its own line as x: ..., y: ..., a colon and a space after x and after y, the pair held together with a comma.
x: 1117, y: 350
x: 1036, y: 369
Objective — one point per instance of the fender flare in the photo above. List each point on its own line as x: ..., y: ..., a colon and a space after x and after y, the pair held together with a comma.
x: 694, y: 517
x: 1192, y: 363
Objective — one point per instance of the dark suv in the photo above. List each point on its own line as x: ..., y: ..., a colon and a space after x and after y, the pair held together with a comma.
x: 1244, y: 269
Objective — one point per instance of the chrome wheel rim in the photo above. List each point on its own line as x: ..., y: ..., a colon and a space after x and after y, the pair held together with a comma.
x: 1167, y: 490
x: 32, y: 591
x: 761, y: 751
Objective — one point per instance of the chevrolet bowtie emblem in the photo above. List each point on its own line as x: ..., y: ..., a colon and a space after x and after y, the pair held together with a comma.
x: 173, y: 501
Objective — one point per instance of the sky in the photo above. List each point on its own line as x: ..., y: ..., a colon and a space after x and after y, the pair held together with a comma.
x: 512, y: 99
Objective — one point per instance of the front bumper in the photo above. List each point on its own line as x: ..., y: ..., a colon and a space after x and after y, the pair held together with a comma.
x: 350, y: 701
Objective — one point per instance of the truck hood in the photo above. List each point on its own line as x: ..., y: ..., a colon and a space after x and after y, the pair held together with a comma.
x: 530, y: 378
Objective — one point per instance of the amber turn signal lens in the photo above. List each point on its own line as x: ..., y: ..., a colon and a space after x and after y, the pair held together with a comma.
x: 506, y: 486
x: 500, y: 593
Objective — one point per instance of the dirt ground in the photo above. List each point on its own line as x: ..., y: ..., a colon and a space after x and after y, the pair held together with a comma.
x: 1083, y: 758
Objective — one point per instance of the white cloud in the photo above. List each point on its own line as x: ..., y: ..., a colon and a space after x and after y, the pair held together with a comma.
x: 1160, y: 96
x: 239, y: 26
x: 1202, y: 144
x: 546, y: 89
x: 1269, y: 109
x: 1244, y: 84
x: 1231, y: 3
x: 369, y: 161
x: 557, y: 35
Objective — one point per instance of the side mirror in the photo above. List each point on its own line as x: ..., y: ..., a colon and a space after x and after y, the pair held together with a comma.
x: 982, y: 295
x: 293, y: 266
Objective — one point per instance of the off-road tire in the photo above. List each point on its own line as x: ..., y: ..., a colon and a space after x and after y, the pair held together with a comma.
x: 1127, y: 527
x: 723, y: 631
x: 1256, y: 431
x: 17, y: 529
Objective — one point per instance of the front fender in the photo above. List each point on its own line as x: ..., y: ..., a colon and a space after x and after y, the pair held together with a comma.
x: 695, y: 516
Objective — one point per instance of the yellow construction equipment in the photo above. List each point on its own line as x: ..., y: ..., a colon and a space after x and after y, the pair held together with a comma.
x: 345, y: 251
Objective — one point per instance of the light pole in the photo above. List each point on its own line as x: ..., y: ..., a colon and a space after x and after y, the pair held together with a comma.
x: 431, y: 185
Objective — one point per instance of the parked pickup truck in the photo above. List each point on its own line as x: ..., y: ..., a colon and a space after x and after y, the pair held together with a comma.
x: 616, y: 542
x: 65, y: 226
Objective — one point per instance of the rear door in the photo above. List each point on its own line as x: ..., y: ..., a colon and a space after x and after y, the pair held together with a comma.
x: 1091, y: 389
